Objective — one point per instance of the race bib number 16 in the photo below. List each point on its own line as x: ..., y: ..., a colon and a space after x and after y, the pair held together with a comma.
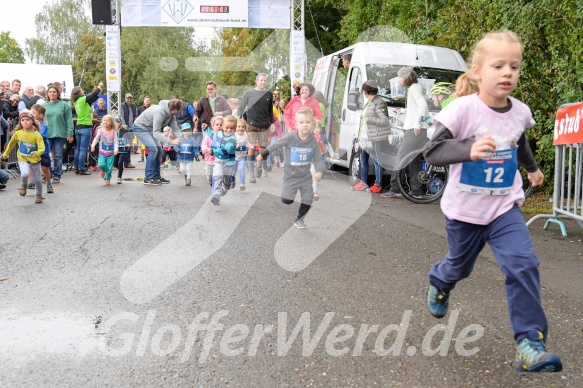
x: 493, y: 176
x: 300, y: 156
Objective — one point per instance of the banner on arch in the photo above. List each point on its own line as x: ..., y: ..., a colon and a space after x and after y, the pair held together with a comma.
x: 207, y: 13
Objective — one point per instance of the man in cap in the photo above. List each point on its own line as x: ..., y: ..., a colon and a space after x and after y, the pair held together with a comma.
x: 129, y: 111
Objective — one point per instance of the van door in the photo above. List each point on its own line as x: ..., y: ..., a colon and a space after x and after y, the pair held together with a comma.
x: 335, y: 97
x: 323, y: 81
x: 350, y: 117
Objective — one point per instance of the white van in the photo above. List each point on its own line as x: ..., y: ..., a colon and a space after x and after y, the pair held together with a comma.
x: 378, y: 61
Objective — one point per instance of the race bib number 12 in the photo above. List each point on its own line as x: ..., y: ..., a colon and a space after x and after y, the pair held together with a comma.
x: 493, y: 176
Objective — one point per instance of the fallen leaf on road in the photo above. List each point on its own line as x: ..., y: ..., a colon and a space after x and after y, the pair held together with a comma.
x: 5, y: 278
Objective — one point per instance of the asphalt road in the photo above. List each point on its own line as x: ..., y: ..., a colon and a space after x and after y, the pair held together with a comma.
x: 132, y: 285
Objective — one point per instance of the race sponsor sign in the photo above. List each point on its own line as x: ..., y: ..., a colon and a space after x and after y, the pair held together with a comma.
x: 569, y: 124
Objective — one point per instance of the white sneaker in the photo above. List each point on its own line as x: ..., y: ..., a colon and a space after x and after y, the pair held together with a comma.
x: 300, y: 224
x: 241, y: 187
x: 119, y: 181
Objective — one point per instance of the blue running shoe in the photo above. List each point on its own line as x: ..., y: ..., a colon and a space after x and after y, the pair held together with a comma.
x: 437, y: 302
x: 532, y: 356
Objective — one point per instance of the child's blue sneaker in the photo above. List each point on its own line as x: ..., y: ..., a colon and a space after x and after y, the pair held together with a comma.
x: 532, y: 356
x: 437, y: 302
x: 30, y: 185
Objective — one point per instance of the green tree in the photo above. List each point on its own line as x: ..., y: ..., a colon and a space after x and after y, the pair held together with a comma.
x: 89, y: 64
x: 252, y: 51
x: 10, y: 50
x: 551, y: 73
x: 60, y: 26
x: 155, y: 62
x: 323, y: 26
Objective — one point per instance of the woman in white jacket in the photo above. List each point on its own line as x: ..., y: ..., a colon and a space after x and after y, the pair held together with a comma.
x: 415, y: 135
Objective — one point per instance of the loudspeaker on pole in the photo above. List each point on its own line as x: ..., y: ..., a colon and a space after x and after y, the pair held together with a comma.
x: 101, y: 12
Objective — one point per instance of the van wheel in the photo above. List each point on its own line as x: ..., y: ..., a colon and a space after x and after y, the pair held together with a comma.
x: 354, y: 168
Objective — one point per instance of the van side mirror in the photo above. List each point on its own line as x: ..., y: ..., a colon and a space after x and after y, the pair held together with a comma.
x: 353, y: 99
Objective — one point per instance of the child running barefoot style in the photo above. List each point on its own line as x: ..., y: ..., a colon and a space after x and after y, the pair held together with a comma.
x: 482, y: 137
x: 108, y: 147
x: 302, y: 150
x: 186, y: 151
x: 223, y: 148
x: 38, y: 111
x: 30, y: 148
x: 241, y: 151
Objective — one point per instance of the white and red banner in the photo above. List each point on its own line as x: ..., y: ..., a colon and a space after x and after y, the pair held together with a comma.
x: 206, y: 13
x: 569, y: 125
x: 112, y: 58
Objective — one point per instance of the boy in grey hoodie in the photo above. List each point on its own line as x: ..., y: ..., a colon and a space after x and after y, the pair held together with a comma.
x: 303, y: 151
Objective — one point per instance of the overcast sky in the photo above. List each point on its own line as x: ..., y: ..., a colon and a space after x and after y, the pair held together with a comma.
x: 18, y: 18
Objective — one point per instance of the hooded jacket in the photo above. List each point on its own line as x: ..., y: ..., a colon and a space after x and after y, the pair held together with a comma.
x: 155, y: 118
x: 295, y: 105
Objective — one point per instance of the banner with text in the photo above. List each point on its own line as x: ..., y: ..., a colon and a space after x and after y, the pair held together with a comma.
x: 298, y: 61
x: 207, y: 13
x: 569, y: 124
x: 113, y: 58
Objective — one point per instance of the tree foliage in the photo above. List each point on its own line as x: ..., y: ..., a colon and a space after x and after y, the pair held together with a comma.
x: 551, y: 74
x: 89, y: 64
x: 60, y: 26
x: 155, y: 62
x: 10, y: 50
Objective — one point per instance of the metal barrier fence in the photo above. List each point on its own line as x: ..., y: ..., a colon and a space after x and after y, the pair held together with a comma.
x: 11, y: 165
x: 568, y: 183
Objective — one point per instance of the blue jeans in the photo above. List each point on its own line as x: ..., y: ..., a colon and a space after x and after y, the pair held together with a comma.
x: 222, y: 175
x: 83, y: 137
x: 376, y: 158
x: 57, y: 144
x: 154, y: 152
x: 510, y: 242
x: 241, y: 169
x: 272, y: 155
x: 4, y: 176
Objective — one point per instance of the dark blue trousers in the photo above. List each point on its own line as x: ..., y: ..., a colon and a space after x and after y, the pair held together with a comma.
x: 510, y: 242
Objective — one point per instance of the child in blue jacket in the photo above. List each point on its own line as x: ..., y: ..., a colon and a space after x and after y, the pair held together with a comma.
x: 186, y: 152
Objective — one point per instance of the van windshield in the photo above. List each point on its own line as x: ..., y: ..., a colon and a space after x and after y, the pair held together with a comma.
x: 394, y: 94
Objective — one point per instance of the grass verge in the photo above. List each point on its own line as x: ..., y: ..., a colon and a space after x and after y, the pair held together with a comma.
x: 538, y: 203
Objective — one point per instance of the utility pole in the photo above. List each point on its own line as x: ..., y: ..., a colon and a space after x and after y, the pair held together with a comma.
x: 113, y: 59
x: 298, y: 60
